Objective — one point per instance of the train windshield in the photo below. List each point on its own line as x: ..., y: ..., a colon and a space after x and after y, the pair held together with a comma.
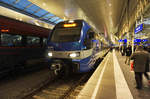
x: 66, y: 34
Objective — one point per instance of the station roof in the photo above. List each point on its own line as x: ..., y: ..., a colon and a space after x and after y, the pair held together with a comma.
x: 27, y: 7
x: 110, y: 18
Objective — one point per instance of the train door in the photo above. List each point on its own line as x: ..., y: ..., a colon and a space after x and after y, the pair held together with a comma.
x: 90, y: 46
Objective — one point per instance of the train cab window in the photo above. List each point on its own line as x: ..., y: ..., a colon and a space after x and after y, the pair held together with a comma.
x: 31, y: 40
x: 66, y: 34
x: 10, y: 40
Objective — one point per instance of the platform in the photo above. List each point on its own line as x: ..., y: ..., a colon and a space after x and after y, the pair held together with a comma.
x: 113, y: 79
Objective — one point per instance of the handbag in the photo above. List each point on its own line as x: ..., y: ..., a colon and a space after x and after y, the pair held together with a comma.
x: 131, y: 65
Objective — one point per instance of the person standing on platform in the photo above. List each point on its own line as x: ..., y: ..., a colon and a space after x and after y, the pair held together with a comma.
x: 122, y: 50
x: 141, y: 65
x: 128, y: 54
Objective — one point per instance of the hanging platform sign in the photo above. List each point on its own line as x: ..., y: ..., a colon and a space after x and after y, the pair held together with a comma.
x: 138, y: 28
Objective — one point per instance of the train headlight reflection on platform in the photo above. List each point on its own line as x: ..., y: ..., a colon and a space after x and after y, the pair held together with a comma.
x: 50, y: 54
x: 74, y: 55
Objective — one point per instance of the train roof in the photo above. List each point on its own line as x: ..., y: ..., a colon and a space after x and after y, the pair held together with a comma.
x: 78, y: 21
x: 18, y: 27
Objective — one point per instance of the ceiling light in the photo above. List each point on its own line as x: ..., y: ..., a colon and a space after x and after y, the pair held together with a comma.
x: 44, y: 4
x: 71, y: 21
x: 64, y: 18
x: 110, y: 4
x: 110, y: 13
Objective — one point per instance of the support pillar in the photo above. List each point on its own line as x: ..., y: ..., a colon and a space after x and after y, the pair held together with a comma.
x: 132, y: 41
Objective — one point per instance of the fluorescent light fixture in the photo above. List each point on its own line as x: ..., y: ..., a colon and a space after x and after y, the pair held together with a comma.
x: 71, y: 21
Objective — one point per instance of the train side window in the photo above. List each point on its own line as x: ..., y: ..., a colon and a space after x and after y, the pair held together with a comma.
x: 31, y: 41
x: 44, y: 41
x: 88, y: 40
x: 10, y: 40
x: 90, y: 33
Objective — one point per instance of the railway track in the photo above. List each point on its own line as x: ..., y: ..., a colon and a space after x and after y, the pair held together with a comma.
x: 62, y: 89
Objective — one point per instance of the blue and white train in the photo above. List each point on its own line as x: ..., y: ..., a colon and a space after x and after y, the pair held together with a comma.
x: 73, y: 47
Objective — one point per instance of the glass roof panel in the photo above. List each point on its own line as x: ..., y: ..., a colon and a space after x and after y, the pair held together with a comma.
x: 8, y: 1
x: 18, y: 6
x: 32, y: 8
x: 53, y: 19
x: 40, y: 13
x: 58, y: 21
x: 48, y: 16
x: 23, y: 3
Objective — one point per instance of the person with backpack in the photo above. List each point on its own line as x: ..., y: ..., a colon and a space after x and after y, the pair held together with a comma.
x: 140, y: 65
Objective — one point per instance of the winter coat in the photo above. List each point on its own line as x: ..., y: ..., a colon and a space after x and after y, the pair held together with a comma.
x: 141, y: 61
x: 128, y: 51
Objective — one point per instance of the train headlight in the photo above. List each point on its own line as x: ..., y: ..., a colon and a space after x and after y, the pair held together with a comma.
x: 74, y: 55
x: 50, y: 54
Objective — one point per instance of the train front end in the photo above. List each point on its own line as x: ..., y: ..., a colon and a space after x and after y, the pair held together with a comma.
x: 65, y: 48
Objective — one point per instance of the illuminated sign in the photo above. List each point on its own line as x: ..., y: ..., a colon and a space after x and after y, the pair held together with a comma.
x: 140, y: 40
x: 144, y: 40
x: 125, y: 40
x: 3, y: 30
x: 137, y: 40
x: 70, y: 25
x: 119, y: 40
x: 138, y: 29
